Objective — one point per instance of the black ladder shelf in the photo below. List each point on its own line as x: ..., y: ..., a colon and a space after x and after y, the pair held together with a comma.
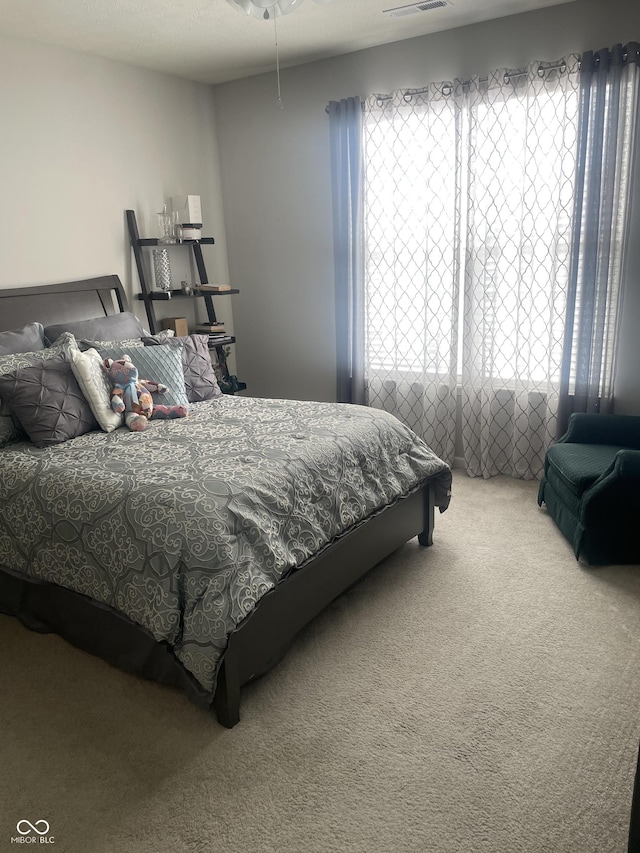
x: 229, y: 384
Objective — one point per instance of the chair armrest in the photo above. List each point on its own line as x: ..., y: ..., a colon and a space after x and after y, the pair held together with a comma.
x: 623, y: 430
x: 609, y: 512
x: 627, y: 464
x: 623, y: 471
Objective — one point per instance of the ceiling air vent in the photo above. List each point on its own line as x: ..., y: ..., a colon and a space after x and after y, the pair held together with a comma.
x: 414, y: 8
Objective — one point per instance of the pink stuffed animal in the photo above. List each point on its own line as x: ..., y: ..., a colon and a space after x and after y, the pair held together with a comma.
x: 132, y: 396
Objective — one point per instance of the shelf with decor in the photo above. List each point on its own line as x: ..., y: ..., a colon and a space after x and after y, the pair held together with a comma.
x: 219, y: 341
x: 155, y: 241
x: 149, y: 296
x: 166, y: 295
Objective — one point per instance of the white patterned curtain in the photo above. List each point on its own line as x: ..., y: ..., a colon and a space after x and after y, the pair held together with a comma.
x: 468, y: 215
x: 520, y: 143
x: 412, y: 254
x: 495, y: 222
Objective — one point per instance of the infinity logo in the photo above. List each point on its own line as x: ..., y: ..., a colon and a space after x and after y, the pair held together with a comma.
x: 32, y: 827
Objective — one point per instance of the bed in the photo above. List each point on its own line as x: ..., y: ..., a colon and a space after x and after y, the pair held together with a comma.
x: 194, y: 552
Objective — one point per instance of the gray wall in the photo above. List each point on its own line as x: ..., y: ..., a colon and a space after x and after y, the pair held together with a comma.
x: 276, y: 183
x: 82, y: 140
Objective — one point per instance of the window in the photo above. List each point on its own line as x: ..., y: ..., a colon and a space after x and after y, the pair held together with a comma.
x: 468, y: 216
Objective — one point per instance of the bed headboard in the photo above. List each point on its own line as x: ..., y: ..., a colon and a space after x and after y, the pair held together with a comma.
x: 56, y: 303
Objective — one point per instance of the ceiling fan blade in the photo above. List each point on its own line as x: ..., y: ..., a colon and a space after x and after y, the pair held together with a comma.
x: 265, y: 9
x: 268, y: 9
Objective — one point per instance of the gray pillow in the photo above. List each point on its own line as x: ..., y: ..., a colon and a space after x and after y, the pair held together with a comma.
x: 48, y: 402
x: 116, y: 327
x: 161, y: 338
x: 157, y: 364
x: 9, y: 426
x: 29, y: 338
x: 199, y: 377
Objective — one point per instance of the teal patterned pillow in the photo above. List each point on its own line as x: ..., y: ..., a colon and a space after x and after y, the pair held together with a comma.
x: 157, y: 364
x: 199, y: 377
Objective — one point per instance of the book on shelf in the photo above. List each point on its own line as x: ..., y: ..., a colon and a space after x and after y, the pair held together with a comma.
x: 210, y: 329
x: 213, y: 288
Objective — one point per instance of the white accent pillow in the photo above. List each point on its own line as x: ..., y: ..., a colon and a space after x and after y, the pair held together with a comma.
x: 94, y: 384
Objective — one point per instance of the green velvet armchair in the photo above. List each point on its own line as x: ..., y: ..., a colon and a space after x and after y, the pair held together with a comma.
x: 591, y: 487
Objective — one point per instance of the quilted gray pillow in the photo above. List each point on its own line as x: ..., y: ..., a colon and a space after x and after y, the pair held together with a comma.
x: 199, y: 377
x: 158, y: 364
x: 9, y: 427
x: 48, y: 402
x: 29, y: 338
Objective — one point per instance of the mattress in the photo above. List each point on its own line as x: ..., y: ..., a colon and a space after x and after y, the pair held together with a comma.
x: 184, y: 527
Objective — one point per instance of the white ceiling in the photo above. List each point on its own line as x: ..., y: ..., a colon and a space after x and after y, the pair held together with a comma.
x: 209, y: 41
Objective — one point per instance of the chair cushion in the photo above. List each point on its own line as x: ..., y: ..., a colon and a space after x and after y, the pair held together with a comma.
x: 578, y: 466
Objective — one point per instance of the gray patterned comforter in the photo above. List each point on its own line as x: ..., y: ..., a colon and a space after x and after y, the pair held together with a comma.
x: 184, y: 527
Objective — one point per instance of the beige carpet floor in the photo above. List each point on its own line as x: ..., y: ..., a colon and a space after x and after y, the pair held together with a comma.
x: 480, y: 696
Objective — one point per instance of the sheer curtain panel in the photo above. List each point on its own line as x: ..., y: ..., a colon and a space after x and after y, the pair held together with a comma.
x: 412, y: 253
x: 488, y: 259
x: 520, y: 141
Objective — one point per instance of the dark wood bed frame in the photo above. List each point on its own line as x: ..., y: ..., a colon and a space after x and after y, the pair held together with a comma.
x: 264, y: 636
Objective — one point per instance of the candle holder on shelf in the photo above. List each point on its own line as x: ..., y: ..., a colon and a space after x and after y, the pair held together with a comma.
x: 176, y: 226
x: 162, y: 270
x: 165, y: 226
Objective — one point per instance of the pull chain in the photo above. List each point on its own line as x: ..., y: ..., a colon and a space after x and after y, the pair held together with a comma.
x: 275, y: 30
